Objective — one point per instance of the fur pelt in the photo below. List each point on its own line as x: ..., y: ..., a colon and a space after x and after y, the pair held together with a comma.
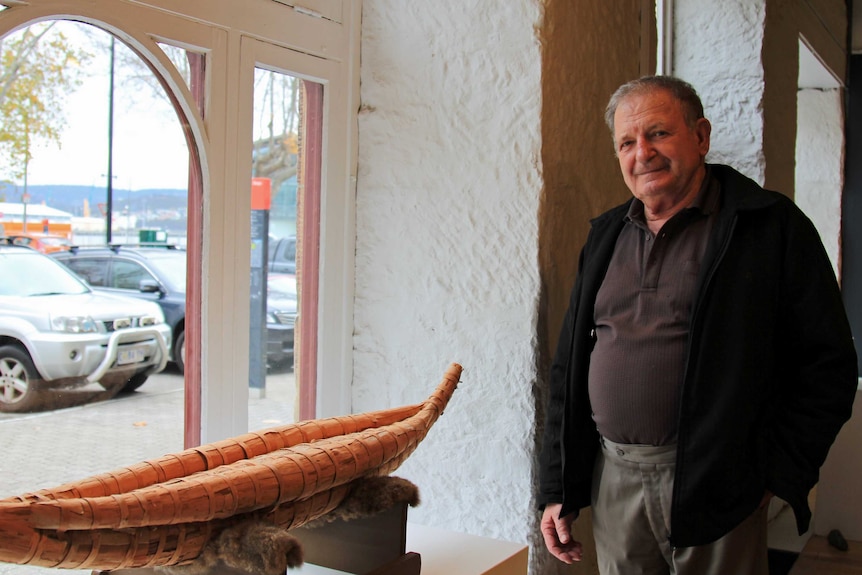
x: 260, y: 548
x: 252, y: 547
x: 370, y: 496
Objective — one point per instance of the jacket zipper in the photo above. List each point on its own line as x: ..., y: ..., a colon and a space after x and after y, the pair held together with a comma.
x: 679, y: 439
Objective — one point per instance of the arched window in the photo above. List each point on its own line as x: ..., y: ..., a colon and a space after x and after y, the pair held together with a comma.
x: 218, y: 64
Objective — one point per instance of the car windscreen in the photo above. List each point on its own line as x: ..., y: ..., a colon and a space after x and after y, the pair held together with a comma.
x: 32, y: 274
x: 171, y: 268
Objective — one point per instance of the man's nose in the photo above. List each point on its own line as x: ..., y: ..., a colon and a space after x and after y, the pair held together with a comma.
x: 644, y: 149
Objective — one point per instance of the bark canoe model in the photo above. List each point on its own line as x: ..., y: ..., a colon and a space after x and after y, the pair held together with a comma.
x: 164, y: 511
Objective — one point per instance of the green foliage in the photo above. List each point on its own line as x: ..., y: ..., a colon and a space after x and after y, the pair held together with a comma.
x: 38, y: 67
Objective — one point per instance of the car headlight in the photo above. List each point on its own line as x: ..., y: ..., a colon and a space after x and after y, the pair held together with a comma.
x: 74, y: 324
x: 270, y: 318
x: 154, y: 316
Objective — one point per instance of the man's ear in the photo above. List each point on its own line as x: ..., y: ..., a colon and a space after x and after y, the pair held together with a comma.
x: 703, y: 129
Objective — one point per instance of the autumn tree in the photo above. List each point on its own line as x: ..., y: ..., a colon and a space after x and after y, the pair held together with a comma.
x: 39, y: 67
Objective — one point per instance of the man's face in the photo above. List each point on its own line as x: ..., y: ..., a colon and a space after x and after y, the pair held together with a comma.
x: 660, y: 156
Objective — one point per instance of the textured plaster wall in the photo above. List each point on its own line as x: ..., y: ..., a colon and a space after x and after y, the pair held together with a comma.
x: 589, y: 49
x: 718, y: 48
x: 781, y: 79
x: 741, y: 56
x: 820, y: 164
x: 449, y: 180
x: 482, y: 156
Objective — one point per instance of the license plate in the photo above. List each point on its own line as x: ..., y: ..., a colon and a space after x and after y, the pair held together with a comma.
x: 127, y: 356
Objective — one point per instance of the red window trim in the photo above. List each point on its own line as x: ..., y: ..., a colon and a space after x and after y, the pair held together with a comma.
x: 309, y: 243
x: 194, y: 275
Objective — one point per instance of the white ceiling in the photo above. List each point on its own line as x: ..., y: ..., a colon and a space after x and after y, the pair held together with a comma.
x: 812, y: 73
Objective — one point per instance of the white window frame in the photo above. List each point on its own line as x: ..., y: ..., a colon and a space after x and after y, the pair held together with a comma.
x: 320, y: 41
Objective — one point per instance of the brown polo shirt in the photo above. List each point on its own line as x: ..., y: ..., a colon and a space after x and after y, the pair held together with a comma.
x: 642, y: 318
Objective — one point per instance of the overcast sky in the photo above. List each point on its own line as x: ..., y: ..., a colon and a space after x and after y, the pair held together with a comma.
x: 149, y: 150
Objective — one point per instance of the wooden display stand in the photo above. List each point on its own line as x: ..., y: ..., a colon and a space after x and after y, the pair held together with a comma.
x: 451, y: 553
x: 377, y: 545
x: 365, y: 546
x: 373, y: 545
x: 442, y: 553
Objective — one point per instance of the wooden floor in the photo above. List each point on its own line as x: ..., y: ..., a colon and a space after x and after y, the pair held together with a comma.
x: 820, y: 558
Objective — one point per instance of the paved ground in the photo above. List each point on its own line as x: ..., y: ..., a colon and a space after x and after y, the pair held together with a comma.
x: 94, y: 434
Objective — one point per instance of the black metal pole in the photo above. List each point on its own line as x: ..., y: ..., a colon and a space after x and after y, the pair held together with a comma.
x: 109, y: 211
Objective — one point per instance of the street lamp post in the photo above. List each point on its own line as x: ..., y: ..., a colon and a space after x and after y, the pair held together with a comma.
x: 25, y: 199
x: 109, y: 210
x: 128, y: 215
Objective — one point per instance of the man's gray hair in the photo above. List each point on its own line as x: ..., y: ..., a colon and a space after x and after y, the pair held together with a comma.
x: 681, y: 90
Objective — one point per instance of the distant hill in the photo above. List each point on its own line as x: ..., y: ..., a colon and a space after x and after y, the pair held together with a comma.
x: 71, y: 198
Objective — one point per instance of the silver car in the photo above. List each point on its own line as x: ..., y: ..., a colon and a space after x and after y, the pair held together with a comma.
x: 57, y: 332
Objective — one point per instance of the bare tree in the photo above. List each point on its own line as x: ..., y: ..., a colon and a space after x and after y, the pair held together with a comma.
x: 277, y: 104
x: 276, y: 148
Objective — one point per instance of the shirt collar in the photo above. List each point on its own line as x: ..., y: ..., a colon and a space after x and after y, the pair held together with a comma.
x: 706, y: 201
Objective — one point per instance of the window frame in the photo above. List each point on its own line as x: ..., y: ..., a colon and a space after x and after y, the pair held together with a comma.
x: 302, y: 42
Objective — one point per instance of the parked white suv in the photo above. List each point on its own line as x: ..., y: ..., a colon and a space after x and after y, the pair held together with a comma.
x: 57, y: 332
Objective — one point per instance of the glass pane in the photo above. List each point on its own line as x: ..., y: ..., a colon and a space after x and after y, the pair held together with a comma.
x: 277, y: 152
x: 92, y: 152
x: 180, y: 60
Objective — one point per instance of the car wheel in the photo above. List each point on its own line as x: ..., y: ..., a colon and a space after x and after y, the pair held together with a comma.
x: 180, y: 352
x: 18, y: 380
x: 134, y: 382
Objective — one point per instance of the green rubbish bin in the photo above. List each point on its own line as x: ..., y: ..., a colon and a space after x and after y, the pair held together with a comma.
x: 152, y: 236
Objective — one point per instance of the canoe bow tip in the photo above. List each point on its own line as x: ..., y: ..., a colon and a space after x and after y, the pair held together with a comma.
x: 455, y: 370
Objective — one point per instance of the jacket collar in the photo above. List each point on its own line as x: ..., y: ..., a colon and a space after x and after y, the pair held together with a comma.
x: 739, y: 193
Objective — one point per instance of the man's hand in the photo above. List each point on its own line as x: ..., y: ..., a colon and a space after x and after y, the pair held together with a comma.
x: 558, y: 535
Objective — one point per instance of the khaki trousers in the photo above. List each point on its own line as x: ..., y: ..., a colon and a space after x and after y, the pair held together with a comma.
x: 632, y: 489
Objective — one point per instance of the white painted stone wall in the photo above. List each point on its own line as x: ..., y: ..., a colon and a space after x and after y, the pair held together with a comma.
x: 448, y: 192
x: 820, y: 164
x: 449, y: 180
x: 718, y: 49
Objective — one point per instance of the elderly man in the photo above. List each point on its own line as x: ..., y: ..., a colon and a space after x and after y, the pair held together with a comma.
x: 704, y: 364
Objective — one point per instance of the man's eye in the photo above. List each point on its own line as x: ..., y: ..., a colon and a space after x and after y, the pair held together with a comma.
x: 625, y: 145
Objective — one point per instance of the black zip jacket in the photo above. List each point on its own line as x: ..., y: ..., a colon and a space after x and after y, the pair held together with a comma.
x: 770, y: 374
